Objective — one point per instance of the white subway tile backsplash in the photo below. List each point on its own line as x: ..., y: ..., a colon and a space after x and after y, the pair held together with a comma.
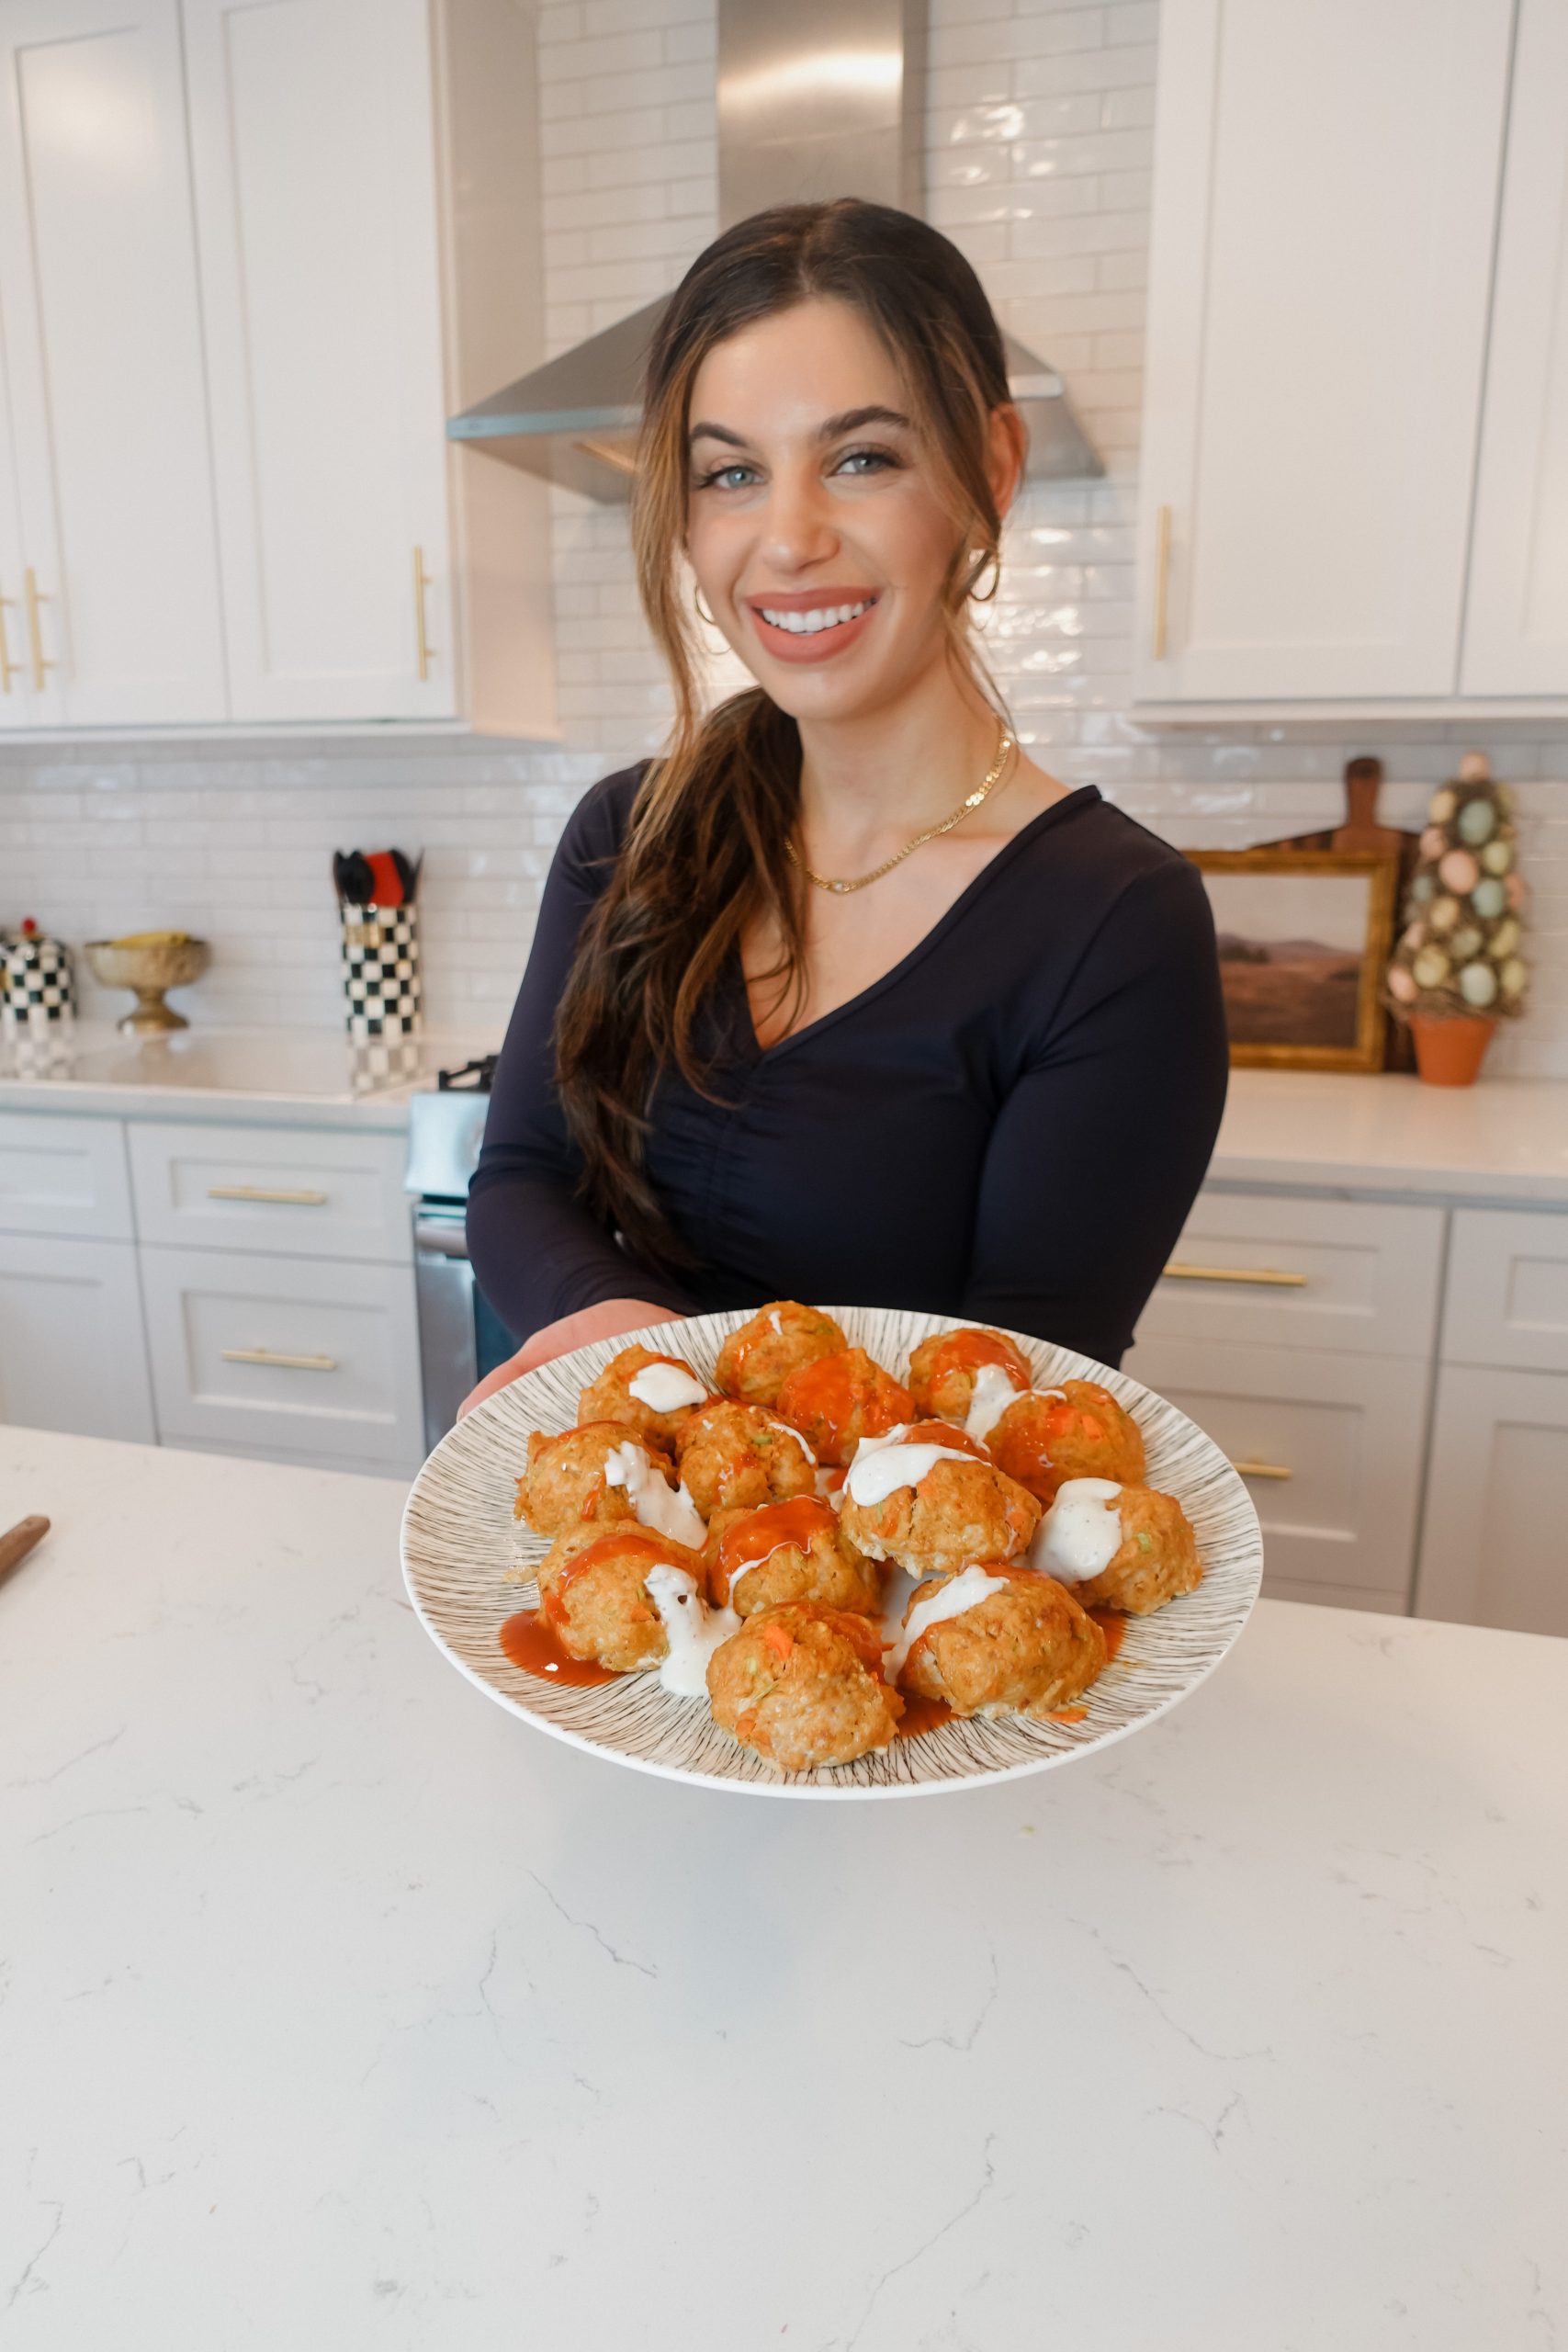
x: 1040, y: 120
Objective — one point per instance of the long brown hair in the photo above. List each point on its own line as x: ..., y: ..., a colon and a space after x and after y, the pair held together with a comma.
x: 704, y: 851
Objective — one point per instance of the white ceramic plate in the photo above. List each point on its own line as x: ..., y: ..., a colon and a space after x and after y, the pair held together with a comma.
x: 459, y: 1542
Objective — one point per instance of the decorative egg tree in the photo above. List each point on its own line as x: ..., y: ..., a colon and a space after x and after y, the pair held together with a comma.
x: 1457, y: 966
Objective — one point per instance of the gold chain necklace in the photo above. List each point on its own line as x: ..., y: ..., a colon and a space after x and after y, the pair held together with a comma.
x: 982, y: 791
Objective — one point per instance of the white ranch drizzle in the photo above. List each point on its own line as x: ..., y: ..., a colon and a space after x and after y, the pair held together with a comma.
x: 992, y: 1394
x: 669, y: 1512
x: 883, y: 1464
x: 962, y: 1592
x: 692, y: 1630
x: 666, y: 1387
x: 773, y: 1422
x: 776, y: 1319
x: 1081, y: 1533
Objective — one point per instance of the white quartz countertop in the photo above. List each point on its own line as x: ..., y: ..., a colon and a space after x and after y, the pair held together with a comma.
x: 339, y: 2009
x: 1500, y: 1140
x: 283, y: 1076
x: 1505, y: 1139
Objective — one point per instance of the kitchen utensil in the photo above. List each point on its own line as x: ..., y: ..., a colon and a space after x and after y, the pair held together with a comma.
x: 460, y: 1540
x: 18, y: 1541
x: 37, y: 990
x: 149, y: 967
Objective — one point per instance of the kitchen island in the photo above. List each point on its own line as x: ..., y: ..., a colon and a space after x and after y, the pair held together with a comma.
x: 338, y: 2008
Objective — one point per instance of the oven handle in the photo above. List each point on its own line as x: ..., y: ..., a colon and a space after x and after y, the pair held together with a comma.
x: 443, y: 1237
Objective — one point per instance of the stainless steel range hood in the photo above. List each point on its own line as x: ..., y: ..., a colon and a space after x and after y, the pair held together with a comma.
x: 817, y: 98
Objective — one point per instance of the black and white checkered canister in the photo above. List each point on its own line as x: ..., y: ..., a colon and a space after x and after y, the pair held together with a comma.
x: 381, y: 971
x: 36, y: 991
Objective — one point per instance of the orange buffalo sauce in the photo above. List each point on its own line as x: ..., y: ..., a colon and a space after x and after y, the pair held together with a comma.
x: 922, y: 1714
x: 943, y: 1433
x: 623, y: 1542
x: 530, y: 1642
x: 823, y: 1399
x: 1112, y: 1624
x: 746, y: 1543
x: 967, y: 1351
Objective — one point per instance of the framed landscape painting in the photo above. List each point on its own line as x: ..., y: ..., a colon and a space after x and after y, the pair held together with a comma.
x: 1303, y: 936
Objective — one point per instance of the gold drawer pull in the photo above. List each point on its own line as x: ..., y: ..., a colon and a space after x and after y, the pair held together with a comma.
x: 1162, y: 580
x: 1261, y: 1470
x: 424, y: 653
x: 285, y: 1364
x: 267, y: 1192
x: 35, y: 597
x: 1265, y: 1277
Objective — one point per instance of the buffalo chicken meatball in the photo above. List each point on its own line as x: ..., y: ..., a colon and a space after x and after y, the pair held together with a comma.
x: 998, y: 1639
x: 1075, y: 1431
x: 842, y: 1398
x: 736, y: 1457
x: 651, y: 1395
x: 755, y: 1361
x: 803, y: 1685
x: 595, y: 1594
x: 794, y: 1551
x: 930, y: 1502
x: 953, y: 1370
x: 1125, y: 1548
x: 566, y: 1482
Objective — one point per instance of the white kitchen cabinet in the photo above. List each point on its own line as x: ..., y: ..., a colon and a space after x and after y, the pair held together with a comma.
x: 369, y: 572
x: 1494, y: 1551
x: 1331, y: 1447
x: 272, y: 1190
x: 109, y: 562
x: 1508, y: 1290
x: 72, y: 1353
x: 285, y: 1354
x: 1324, y: 200
x: 1516, y: 635
x: 64, y: 1176
x: 1275, y: 1270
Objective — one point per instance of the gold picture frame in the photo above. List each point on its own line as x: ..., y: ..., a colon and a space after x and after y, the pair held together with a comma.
x: 1304, y: 935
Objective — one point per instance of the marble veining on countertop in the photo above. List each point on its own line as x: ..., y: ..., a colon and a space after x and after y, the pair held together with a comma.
x: 339, y: 2009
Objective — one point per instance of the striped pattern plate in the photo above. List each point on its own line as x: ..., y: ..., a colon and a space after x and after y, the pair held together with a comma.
x: 463, y: 1557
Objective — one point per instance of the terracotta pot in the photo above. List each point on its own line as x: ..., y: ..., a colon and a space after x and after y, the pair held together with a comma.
x: 1450, y: 1053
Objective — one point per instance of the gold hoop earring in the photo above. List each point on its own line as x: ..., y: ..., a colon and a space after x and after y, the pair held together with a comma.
x: 703, y: 614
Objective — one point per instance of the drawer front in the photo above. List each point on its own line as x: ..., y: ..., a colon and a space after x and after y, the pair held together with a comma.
x: 301, y: 1193
x: 284, y: 1352
x: 1507, y: 1295
x: 1269, y: 1271
x: 1493, y: 1550
x: 1331, y: 1448
x: 71, y: 1351
x: 64, y: 1176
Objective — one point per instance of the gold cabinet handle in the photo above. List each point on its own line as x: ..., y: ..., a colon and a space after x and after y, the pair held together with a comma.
x: 267, y: 1192
x: 423, y: 650
x: 1265, y: 1277
x: 285, y: 1364
x: 35, y: 597
x: 1162, y: 579
x: 7, y: 667
x: 1261, y: 1470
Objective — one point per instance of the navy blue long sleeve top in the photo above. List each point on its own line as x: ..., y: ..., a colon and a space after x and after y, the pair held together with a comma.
x: 1011, y: 1125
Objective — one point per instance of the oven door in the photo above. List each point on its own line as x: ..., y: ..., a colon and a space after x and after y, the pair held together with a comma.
x: 460, y: 1335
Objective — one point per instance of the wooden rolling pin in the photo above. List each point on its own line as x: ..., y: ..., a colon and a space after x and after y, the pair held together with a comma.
x: 18, y: 1541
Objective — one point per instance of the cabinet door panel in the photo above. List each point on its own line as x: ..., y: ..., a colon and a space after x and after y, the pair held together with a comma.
x: 1493, y: 1552
x: 72, y: 1353
x: 284, y: 1352
x: 1326, y: 189
x: 64, y: 1176
x: 103, y: 346
x: 1516, y: 636
x: 1347, y: 1432
x: 1507, y: 1291
x: 312, y: 148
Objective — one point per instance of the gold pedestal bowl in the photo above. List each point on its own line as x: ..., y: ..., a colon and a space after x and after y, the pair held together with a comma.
x: 149, y: 967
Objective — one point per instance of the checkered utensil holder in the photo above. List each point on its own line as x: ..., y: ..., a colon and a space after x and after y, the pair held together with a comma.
x: 36, y: 988
x: 381, y: 971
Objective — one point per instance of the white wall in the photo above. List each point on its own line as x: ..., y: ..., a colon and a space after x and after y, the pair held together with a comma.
x: 1038, y: 141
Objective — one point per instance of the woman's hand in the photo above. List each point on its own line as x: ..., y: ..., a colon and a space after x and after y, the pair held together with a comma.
x: 601, y: 1322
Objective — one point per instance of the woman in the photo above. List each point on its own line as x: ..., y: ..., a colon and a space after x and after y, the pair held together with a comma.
x: 844, y: 998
